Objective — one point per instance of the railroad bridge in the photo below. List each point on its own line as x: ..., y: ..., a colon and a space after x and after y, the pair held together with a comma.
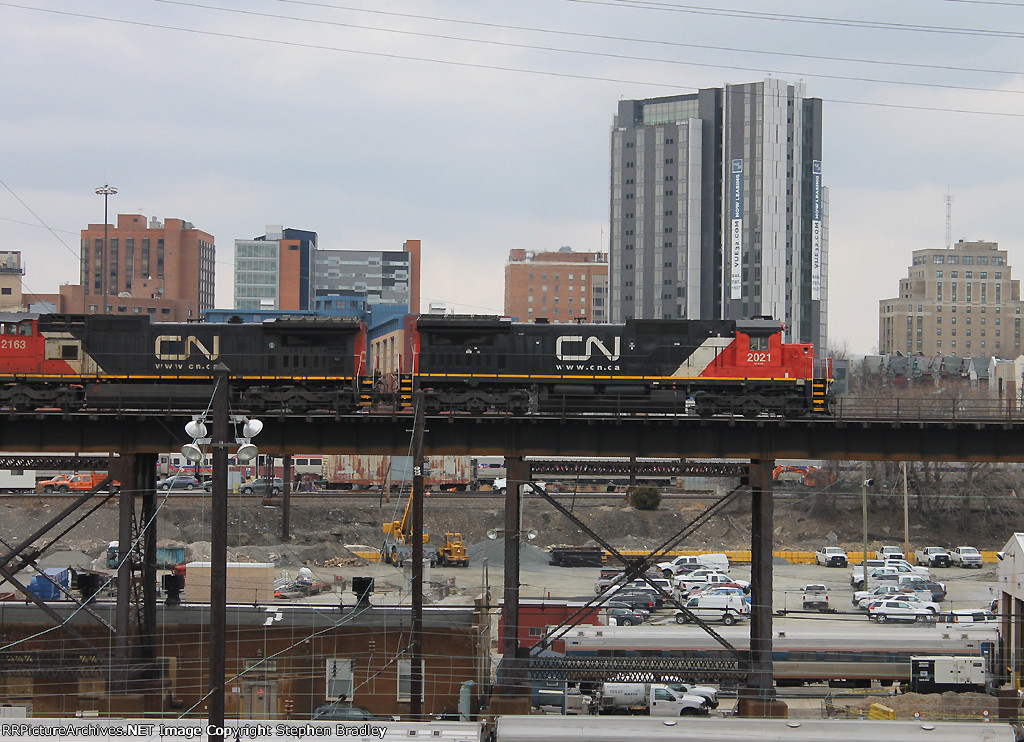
x: 749, y: 446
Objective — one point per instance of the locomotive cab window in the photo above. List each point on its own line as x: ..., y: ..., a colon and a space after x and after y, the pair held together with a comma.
x: 760, y: 342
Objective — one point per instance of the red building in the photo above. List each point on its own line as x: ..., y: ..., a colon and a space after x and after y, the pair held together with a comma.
x: 536, y: 615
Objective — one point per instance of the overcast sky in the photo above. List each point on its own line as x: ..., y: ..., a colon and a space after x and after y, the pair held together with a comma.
x: 481, y: 126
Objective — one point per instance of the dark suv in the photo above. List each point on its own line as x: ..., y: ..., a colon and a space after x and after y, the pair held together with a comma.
x: 341, y: 712
x: 263, y: 486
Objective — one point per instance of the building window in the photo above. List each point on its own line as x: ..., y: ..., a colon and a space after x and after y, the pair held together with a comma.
x: 339, y: 678
x: 405, y: 678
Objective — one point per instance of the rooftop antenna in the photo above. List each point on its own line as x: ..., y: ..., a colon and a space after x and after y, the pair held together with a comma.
x: 949, y: 220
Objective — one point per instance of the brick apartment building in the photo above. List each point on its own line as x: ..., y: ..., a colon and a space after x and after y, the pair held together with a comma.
x: 163, y: 269
x: 562, y: 286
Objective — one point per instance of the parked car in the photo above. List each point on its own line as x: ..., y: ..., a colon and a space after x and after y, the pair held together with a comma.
x: 500, y: 485
x: 624, y: 616
x: 936, y: 589
x: 700, y: 578
x: 899, y: 610
x: 263, y: 486
x: 342, y: 712
x: 933, y: 556
x: 907, y: 568
x: 815, y: 598
x: 725, y: 608
x: 857, y: 573
x: 179, y: 482
x: 681, y: 563
x: 656, y: 598
x: 914, y: 600
x: 634, y: 599
x: 969, y: 615
x: 643, y: 612
x: 891, y: 571
x: 831, y: 556
x: 967, y: 556
x: 861, y: 598
x: 889, y: 552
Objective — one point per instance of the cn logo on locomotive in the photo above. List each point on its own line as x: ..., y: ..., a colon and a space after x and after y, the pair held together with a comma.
x: 190, y: 342
x: 588, y: 348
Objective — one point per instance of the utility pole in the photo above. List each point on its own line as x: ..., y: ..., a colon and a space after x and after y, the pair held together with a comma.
x: 106, y: 191
x: 864, y: 510
x: 218, y: 554
x: 418, y: 462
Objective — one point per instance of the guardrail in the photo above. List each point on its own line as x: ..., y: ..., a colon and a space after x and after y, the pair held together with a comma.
x: 735, y: 557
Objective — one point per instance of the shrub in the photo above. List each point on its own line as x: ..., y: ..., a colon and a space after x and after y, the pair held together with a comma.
x: 645, y: 498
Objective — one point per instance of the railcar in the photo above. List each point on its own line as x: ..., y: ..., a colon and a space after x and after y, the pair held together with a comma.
x: 842, y: 657
x: 75, y: 361
x: 628, y: 729
x: 479, y: 364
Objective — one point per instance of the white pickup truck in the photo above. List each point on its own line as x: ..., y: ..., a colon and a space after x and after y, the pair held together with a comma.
x: 933, y: 556
x: 967, y: 556
x: 684, y: 561
x: 831, y: 556
x: 702, y: 578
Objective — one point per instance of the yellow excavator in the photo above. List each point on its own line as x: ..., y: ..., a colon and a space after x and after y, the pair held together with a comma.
x: 398, y: 544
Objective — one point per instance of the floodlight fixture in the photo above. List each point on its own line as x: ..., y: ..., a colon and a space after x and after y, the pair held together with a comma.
x: 195, y: 429
x: 252, y: 428
x: 192, y: 452
x: 246, y: 453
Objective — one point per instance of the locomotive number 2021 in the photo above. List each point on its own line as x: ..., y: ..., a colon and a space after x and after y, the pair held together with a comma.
x: 759, y: 357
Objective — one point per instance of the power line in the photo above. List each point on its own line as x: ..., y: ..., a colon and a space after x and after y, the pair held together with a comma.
x: 477, y: 65
x: 794, y: 18
x: 588, y: 53
x: 658, y: 42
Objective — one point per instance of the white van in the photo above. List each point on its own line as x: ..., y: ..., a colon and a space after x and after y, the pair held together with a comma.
x: 725, y: 608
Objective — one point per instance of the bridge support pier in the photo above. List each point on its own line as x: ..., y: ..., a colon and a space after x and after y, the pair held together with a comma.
x: 759, y: 697
x: 750, y: 706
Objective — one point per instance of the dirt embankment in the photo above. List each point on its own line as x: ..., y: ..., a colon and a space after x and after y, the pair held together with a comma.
x: 321, y: 527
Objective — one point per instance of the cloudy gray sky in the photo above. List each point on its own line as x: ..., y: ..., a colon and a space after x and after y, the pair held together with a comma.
x: 482, y: 126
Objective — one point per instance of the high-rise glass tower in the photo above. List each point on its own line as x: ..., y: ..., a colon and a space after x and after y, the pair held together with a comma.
x: 718, y: 208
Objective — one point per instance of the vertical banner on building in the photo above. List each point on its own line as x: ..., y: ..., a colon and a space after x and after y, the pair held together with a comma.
x: 816, y: 230
x: 736, y: 258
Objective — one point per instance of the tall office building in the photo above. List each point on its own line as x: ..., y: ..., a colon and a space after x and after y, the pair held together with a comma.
x: 275, y: 270
x: 164, y: 269
x: 369, y: 277
x: 954, y: 302
x: 718, y: 208
x: 562, y: 286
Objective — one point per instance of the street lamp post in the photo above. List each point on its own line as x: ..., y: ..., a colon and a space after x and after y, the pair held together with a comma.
x: 106, y: 191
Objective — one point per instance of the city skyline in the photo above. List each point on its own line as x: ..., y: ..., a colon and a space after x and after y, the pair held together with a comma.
x: 481, y: 142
